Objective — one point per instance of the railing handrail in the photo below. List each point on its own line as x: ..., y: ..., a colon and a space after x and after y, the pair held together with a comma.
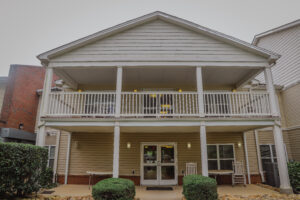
x: 160, y: 92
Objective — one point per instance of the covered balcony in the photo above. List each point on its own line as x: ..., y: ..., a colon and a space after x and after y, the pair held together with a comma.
x: 158, y: 92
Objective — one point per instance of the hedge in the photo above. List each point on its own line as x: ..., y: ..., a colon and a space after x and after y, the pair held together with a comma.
x: 23, y: 168
x: 294, y: 174
x: 114, y: 189
x: 197, y: 187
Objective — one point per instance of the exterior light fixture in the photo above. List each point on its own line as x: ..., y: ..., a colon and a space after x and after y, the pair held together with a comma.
x: 128, y: 145
x: 135, y: 90
x: 234, y: 90
x: 21, y: 126
x: 189, y: 145
x: 180, y: 90
x: 239, y: 144
x: 79, y: 90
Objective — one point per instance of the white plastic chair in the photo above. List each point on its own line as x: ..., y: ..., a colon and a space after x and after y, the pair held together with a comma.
x: 191, y: 168
x: 238, y: 176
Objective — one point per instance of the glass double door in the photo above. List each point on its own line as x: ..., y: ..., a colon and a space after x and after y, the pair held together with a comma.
x: 159, y: 164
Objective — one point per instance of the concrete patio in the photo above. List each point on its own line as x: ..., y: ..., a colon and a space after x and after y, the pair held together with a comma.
x: 176, y: 194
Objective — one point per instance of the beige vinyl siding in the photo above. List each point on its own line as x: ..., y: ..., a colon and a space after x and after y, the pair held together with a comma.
x: 267, y: 137
x: 50, y: 140
x: 281, y: 108
x: 286, y: 43
x: 89, y: 152
x: 158, y: 41
x: 291, y: 105
x: 252, y: 153
x: 294, y: 138
x: 94, y: 151
x: 62, y: 152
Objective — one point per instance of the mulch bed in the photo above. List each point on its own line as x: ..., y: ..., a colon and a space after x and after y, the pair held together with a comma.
x: 261, y: 197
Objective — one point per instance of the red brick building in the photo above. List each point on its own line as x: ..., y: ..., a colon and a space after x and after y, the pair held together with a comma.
x: 20, y: 103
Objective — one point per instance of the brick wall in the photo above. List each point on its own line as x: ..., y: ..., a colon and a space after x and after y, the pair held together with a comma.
x: 20, y: 102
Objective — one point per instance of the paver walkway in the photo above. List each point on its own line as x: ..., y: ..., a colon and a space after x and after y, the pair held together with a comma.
x: 225, y: 192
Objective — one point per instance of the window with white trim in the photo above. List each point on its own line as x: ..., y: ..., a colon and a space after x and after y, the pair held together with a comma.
x: 220, y: 156
x: 51, y: 155
x: 267, y: 154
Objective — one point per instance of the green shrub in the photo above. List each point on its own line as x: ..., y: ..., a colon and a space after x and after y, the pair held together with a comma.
x: 22, y: 166
x: 197, y: 187
x: 294, y: 174
x: 47, y: 178
x: 114, y: 189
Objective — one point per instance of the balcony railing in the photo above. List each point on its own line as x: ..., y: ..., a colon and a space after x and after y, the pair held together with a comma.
x: 159, y: 104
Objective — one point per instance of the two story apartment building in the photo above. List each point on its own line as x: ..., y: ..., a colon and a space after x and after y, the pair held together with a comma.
x: 152, y: 94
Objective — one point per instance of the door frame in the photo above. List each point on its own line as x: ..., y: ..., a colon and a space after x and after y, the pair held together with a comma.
x: 158, y: 181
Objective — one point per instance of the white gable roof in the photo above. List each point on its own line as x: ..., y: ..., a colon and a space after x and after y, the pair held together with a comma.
x: 45, y: 57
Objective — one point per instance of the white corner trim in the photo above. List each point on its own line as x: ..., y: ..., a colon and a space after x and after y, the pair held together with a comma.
x: 56, y: 155
x: 68, y: 158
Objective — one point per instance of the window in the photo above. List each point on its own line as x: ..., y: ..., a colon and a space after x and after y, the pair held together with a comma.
x: 267, y: 154
x: 51, y: 156
x: 220, y: 156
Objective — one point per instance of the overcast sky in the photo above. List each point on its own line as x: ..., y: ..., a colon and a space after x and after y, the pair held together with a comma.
x: 31, y: 27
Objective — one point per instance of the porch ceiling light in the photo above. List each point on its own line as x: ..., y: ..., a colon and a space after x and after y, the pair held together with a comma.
x: 128, y: 145
x: 189, y: 145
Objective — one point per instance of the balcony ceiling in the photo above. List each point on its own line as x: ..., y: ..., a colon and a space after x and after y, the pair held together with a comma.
x: 163, y: 77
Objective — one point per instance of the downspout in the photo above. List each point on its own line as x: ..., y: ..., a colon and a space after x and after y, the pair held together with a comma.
x: 247, y: 160
x: 258, y: 156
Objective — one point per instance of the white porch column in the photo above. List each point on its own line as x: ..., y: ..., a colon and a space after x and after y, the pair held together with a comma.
x: 281, y: 161
x: 44, y: 105
x: 40, y: 138
x: 200, y: 91
x: 116, y: 150
x: 247, y: 159
x: 204, y: 163
x: 118, y: 91
x: 271, y: 90
x: 68, y: 157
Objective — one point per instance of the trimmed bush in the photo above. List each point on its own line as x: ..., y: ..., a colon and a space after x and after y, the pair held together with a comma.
x: 197, y: 187
x: 47, y: 179
x: 294, y: 174
x: 22, y: 166
x: 114, y: 189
